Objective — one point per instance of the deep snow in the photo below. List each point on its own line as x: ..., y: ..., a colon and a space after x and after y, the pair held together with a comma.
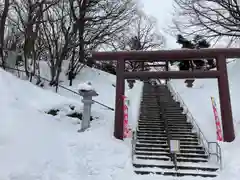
x: 36, y: 145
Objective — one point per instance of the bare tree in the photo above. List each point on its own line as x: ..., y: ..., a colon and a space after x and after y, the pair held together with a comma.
x: 4, y: 8
x: 68, y: 29
x: 59, y: 33
x: 98, y: 21
x: 141, y: 34
x: 211, y: 18
x: 28, y: 18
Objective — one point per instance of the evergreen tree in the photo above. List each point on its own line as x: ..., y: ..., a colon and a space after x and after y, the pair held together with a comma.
x: 200, y: 42
x: 185, y: 65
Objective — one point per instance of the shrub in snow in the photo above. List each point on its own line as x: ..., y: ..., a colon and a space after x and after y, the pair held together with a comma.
x: 78, y: 115
x: 53, y: 112
x: 72, y: 113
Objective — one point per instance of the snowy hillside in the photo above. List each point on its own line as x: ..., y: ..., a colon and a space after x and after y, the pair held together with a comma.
x: 37, y: 145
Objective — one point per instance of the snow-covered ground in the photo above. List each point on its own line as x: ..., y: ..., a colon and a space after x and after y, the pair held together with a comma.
x: 37, y: 145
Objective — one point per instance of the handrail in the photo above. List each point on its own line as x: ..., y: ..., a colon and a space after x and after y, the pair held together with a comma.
x: 134, y: 141
x: 218, y: 153
x: 166, y: 127
x: 190, y: 117
x: 45, y: 79
x: 134, y: 135
x: 201, y: 136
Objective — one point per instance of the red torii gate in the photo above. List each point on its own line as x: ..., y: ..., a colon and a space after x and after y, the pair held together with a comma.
x: 165, y: 55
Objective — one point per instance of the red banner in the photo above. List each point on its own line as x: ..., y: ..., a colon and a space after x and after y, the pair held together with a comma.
x: 217, y: 121
x: 126, y: 129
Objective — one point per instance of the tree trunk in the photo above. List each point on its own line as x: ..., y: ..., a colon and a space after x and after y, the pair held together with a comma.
x: 58, y: 75
x: 2, y: 29
x: 71, y: 72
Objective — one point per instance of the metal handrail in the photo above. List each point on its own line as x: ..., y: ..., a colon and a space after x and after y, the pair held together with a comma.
x: 166, y: 127
x: 190, y: 117
x: 169, y: 137
x: 134, y: 141
x: 218, y: 153
x: 134, y: 136
x: 201, y: 136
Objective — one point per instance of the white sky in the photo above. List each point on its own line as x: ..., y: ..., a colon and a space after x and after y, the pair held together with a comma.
x: 161, y: 10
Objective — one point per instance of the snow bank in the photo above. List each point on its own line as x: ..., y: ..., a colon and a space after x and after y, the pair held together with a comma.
x: 35, y: 145
x: 105, y: 85
x: 102, y: 82
x: 134, y: 95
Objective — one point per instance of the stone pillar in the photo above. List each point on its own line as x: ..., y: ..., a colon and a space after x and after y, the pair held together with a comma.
x: 87, y: 103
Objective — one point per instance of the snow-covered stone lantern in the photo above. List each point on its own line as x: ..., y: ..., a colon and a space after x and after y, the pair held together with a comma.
x: 87, y: 92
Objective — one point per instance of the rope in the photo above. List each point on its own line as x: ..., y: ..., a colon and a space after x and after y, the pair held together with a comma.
x: 61, y: 86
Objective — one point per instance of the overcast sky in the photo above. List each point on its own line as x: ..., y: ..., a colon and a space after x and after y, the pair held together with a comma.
x: 161, y: 10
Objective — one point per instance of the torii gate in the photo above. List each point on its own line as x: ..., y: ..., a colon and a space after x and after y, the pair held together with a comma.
x: 220, y: 54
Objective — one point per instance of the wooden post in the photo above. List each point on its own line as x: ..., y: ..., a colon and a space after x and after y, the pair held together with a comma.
x: 120, y: 88
x: 225, y: 101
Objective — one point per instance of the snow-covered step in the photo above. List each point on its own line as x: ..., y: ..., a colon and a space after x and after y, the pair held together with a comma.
x: 170, y: 163
x: 165, y: 142
x: 162, y: 126
x: 175, y: 135
x: 176, y: 128
x: 174, y: 110
x: 179, y: 167
x: 159, y: 130
x: 152, y: 142
x: 165, y: 158
x: 172, y: 132
x: 150, y: 119
x: 173, y: 172
x: 181, y: 139
x: 187, y: 155
x: 146, y: 103
x: 174, y: 123
x: 154, y: 149
x: 165, y: 146
x: 171, y: 123
x: 150, y: 129
x: 177, y: 115
x: 149, y: 138
x: 171, y: 129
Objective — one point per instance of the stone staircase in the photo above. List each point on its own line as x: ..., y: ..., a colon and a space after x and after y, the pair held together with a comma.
x: 152, y: 154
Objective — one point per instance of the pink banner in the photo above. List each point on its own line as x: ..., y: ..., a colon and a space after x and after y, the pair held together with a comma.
x: 126, y: 130
x: 217, y: 121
